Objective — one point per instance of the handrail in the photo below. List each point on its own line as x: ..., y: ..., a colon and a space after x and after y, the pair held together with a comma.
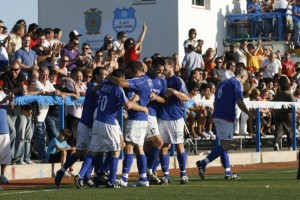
x: 257, y: 105
x: 250, y: 19
x: 54, y: 100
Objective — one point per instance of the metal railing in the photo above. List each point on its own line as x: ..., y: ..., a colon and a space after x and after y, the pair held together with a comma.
x: 255, y: 26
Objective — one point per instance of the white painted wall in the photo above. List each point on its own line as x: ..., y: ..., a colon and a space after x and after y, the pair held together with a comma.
x: 168, y: 21
x: 209, y: 24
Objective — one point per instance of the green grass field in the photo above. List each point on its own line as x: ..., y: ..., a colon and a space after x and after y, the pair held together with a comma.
x: 261, y: 184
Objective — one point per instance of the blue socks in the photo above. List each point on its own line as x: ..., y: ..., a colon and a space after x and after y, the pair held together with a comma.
x: 113, y: 168
x: 152, y: 157
x: 155, y: 166
x: 86, y: 165
x: 225, y: 162
x: 215, y: 153
x: 98, y: 162
x: 165, y: 160
x: 141, y: 163
x: 181, y: 157
x: 127, y: 162
x: 106, y: 165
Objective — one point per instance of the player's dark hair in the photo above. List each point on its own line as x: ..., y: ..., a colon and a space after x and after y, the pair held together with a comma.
x: 134, y: 66
x: 118, y: 73
x: 158, y: 61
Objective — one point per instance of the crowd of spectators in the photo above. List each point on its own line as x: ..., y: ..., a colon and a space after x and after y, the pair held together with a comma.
x: 35, y: 61
x: 270, y: 76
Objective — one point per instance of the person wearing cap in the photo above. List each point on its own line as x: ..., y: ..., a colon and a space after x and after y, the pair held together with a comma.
x: 118, y: 44
x: 71, y: 49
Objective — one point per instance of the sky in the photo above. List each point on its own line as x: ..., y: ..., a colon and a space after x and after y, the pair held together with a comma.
x: 13, y: 10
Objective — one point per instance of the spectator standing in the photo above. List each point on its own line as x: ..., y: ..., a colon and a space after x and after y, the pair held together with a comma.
x: 217, y: 71
x: 288, y: 67
x: 192, y: 60
x: 232, y: 54
x: 13, y: 83
x: 132, y: 49
x: 71, y: 49
x: 283, y: 117
x: 296, y: 23
x: 45, y: 56
x: 271, y: 66
x: 26, y: 57
x: 118, y: 46
x: 14, y: 40
x: 98, y: 60
x: 209, y: 60
x: 229, y: 72
x: 44, y: 85
x: 191, y: 41
x: 31, y: 31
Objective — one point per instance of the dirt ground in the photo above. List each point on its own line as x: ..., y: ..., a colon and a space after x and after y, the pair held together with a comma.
x: 33, y: 183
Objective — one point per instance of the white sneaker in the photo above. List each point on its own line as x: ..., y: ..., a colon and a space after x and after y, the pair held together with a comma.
x: 30, y: 162
x: 67, y: 174
x: 141, y: 184
x: 184, y: 180
x: 22, y: 163
x: 122, y: 183
x: 204, y: 134
x: 211, y: 134
x: 3, y: 179
x: 244, y: 133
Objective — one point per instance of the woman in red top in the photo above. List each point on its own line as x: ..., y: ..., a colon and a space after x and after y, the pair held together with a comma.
x: 132, y: 49
x: 209, y: 59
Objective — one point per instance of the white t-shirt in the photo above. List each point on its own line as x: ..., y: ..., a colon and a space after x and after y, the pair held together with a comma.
x: 47, y: 87
x: 272, y: 67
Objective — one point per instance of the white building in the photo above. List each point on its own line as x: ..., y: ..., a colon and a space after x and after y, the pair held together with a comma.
x: 168, y: 21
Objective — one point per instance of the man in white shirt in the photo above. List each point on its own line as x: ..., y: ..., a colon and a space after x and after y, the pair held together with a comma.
x: 44, y: 85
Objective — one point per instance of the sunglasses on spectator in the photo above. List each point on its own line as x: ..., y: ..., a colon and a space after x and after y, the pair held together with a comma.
x: 233, y: 46
x: 64, y: 61
x: 100, y: 55
x: 85, y: 48
x: 219, y: 62
x: 76, y: 44
x: 15, y: 70
x: 89, y: 76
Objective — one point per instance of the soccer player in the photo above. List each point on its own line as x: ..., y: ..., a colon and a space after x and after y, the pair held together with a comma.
x: 135, y: 131
x: 228, y: 94
x: 153, y: 141
x: 106, y: 132
x: 85, y: 124
x: 171, y: 123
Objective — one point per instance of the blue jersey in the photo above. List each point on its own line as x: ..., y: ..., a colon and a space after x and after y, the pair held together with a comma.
x: 89, y: 105
x: 141, y: 86
x: 111, y: 99
x: 159, y: 88
x: 172, y: 110
x: 227, y: 93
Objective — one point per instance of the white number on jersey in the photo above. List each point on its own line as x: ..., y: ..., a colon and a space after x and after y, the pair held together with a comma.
x: 102, y: 102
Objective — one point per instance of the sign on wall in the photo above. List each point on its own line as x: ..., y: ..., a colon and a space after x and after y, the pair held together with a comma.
x: 124, y: 20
